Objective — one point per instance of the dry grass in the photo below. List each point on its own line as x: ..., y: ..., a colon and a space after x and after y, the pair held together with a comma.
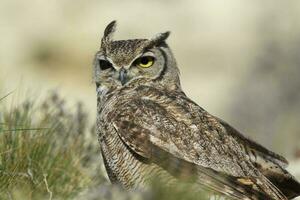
x: 45, y: 153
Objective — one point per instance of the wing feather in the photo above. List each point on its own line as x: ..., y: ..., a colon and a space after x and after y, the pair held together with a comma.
x: 209, y: 179
x: 259, y: 150
x: 270, y: 164
x: 186, y: 133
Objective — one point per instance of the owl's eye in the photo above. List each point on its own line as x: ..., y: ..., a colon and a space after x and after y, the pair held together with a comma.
x: 104, y: 64
x: 145, y: 61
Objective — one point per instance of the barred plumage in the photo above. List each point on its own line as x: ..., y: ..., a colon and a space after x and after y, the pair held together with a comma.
x: 149, y: 128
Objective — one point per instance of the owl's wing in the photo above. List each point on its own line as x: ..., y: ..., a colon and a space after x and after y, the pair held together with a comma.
x: 180, y: 134
x: 269, y: 163
x: 255, y: 148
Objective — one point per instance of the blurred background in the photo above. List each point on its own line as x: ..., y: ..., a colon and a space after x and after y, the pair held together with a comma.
x: 240, y: 60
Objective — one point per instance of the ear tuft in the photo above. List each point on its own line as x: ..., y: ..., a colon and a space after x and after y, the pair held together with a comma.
x: 108, y: 33
x: 110, y: 29
x: 159, y: 38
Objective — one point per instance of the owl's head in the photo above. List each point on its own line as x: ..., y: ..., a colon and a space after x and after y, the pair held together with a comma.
x: 118, y: 62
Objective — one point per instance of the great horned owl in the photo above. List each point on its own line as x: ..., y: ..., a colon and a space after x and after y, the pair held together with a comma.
x: 149, y: 128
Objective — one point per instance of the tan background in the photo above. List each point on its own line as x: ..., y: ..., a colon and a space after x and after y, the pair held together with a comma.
x: 240, y: 60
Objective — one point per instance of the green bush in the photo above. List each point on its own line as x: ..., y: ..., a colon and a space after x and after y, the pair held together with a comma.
x: 45, y: 152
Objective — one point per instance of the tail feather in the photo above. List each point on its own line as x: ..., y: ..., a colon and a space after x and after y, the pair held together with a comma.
x: 289, y: 186
x: 211, y: 180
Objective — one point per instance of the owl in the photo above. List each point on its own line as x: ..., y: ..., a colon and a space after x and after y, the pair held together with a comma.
x: 148, y: 128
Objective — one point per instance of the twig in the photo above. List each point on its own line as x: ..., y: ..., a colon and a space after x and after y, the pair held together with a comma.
x: 46, y: 183
x: 9, y: 195
x: 15, y: 174
x: 8, y: 151
x: 24, y: 129
x: 6, y: 95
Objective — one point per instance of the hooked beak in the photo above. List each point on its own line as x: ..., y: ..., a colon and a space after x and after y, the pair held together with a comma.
x: 123, y: 76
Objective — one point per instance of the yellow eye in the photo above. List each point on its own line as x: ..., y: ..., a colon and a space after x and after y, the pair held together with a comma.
x: 145, y: 62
